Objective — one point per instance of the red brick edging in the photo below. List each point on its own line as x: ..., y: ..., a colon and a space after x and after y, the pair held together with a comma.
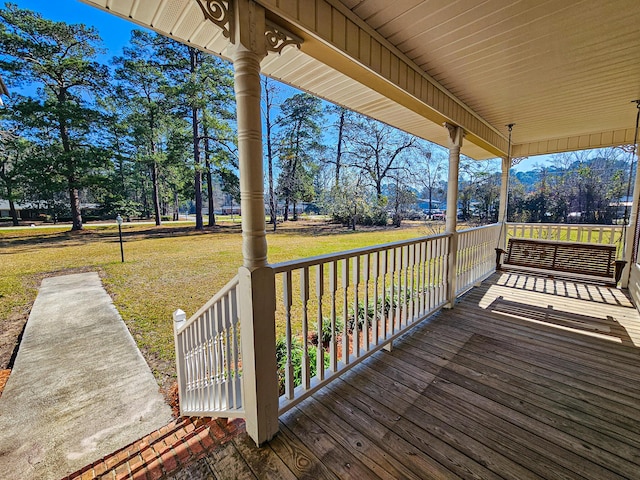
x: 162, y: 452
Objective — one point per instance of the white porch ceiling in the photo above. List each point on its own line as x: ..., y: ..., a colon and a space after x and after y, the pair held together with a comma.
x: 558, y: 69
x: 563, y: 71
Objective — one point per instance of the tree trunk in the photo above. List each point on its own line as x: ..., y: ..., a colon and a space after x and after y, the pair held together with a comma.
x: 13, y: 212
x: 74, y: 200
x: 339, y: 153
x: 176, y: 206
x: 295, y: 211
x: 353, y: 217
x: 156, y: 193
x: 211, y: 203
x: 272, y: 195
x: 286, y: 209
x: 197, y: 180
x: 145, y: 200
x: 207, y: 162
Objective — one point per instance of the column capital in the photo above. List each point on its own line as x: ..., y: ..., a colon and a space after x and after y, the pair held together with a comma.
x: 244, y: 23
x: 456, y: 134
x: 248, y: 28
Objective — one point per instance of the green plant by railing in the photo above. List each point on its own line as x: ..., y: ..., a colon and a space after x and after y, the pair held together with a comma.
x: 296, y: 361
x: 385, y: 303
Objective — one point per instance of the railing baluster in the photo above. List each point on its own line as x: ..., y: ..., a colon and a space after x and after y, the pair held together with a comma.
x: 392, y: 287
x: 430, y: 271
x: 197, y: 350
x: 384, y: 311
x: 423, y: 277
x: 375, y: 332
x: 288, y: 294
x: 412, y: 299
x: 402, y: 289
x: 320, y: 295
x: 333, y: 286
x: 225, y: 324
x: 444, y: 262
x: 304, y: 297
x: 345, y: 311
x: 365, y: 285
x: 236, y: 383
x: 216, y: 323
x: 210, y: 317
x: 356, y: 308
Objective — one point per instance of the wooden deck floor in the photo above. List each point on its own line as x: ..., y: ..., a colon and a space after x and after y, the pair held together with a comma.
x: 526, y: 378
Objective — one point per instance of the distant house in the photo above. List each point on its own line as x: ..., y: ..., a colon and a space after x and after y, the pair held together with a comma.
x: 25, y: 210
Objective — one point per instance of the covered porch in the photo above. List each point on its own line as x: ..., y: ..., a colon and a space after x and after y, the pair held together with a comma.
x: 454, y: 74
x: 527, y: 377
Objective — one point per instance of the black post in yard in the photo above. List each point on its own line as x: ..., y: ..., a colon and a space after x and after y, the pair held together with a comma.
x: 119, y: 221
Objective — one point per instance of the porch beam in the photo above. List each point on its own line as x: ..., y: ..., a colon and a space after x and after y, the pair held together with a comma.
x: 609, y: 138
x: 256, y: 277
x: 338, y: 38
x: 456, y: 134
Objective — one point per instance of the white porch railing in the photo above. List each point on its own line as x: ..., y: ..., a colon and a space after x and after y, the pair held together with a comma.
x: 332, y: 311
x: 476, y: 258
x: 602, y: 234
x: 208, y: 357
x: 338, y: 309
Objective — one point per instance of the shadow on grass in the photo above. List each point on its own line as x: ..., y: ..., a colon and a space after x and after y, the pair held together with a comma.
x: 89, y: 235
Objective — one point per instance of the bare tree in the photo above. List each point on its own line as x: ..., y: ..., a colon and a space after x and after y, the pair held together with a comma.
x: 377, y: 149
x: 429, y: 170
x: 270, y: 92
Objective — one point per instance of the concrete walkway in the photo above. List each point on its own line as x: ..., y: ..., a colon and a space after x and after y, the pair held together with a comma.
x: 80, y: 388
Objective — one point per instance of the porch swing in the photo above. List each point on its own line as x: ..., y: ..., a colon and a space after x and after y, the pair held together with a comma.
x: 584, y: 261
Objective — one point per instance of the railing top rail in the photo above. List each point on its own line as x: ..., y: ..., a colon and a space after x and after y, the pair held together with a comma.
x: 481, y: 227
x: 223, y: 291
x: 331, y: 257
x: 583, y: 225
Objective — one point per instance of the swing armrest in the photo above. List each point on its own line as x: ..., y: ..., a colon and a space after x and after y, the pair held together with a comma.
x: 499, y: 252
x: 620, y: 264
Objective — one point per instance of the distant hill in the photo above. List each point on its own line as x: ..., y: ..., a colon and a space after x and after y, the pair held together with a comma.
x: 531, y: 178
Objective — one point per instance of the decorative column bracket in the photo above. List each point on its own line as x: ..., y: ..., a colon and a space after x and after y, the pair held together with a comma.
x: 221, y: 13
x: 516, y: 160
x: 456, y: 134
x: 277, y: 38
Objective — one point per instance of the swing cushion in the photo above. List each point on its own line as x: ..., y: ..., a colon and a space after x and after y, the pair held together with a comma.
x: 594, y: 260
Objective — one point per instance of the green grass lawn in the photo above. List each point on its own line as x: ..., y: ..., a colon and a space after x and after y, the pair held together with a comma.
x: 165, y: 268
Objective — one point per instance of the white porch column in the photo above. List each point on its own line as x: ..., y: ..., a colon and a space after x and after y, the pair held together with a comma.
x: 630, y: 239
x: 504, y: 198
x: 257, y: 283
x: 455, y: 142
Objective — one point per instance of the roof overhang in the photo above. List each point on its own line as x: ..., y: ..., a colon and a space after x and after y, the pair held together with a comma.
x: 563, y: 72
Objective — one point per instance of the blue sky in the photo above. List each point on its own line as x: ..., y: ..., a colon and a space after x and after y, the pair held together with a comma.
x: 115, y: 33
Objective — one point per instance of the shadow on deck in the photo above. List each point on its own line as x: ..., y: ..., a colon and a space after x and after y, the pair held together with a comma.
x: 525, y: 378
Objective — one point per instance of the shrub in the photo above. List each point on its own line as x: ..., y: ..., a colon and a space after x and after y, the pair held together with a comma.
x: 296, y: 361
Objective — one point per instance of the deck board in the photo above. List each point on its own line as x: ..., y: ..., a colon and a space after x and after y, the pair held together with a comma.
x: 526, y: 378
